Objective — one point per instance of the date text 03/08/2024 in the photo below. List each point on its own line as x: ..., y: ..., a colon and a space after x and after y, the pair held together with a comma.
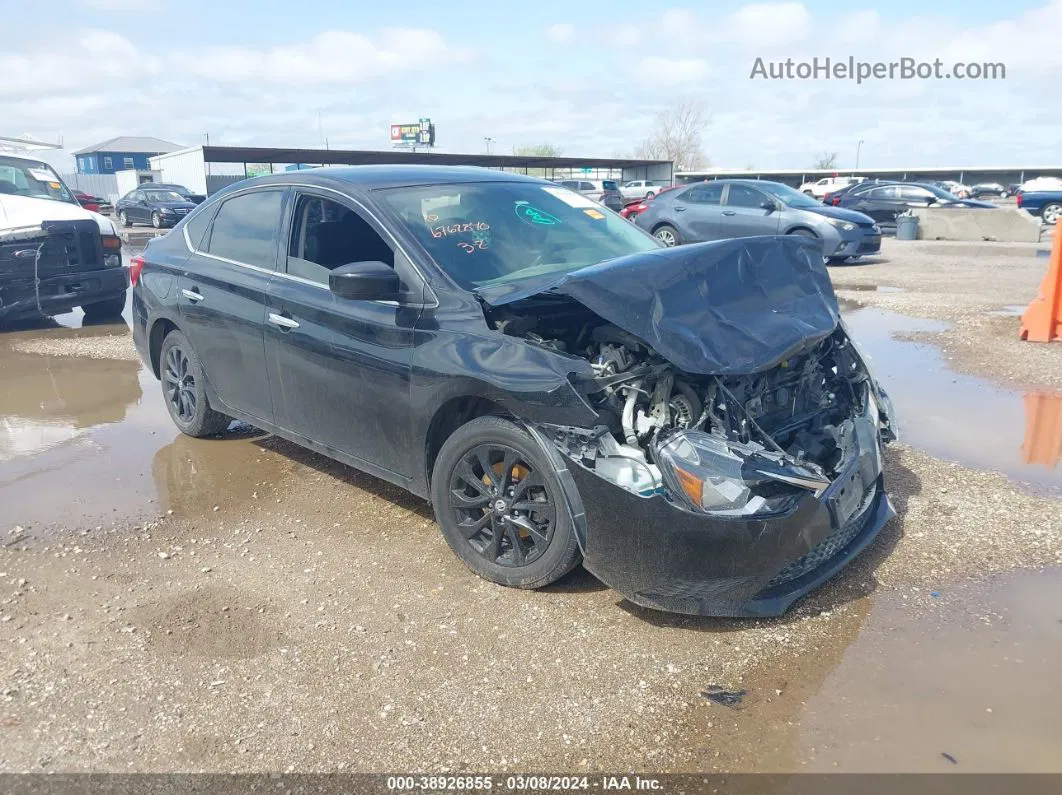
x: 518, y: 783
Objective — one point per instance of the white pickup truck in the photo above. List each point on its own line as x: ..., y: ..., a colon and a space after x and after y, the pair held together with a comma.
x: 54, y: 254
x: 641, y: 188
x: 826, y: 185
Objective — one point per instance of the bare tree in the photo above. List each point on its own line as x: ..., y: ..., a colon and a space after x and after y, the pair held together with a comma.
x: 677, y: 137
x: 825, y: 160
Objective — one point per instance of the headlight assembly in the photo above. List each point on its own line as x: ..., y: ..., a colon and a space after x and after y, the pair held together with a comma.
x: 710, y: 475
x: 847, y: 226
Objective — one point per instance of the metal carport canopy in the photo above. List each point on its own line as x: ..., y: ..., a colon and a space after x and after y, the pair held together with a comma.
x: 355, y: 157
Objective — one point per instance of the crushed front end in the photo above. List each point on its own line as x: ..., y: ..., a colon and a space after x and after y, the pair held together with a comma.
x: 706, y: 489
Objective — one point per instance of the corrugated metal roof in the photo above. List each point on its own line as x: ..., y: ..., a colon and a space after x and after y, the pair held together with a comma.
x: 128, y: 143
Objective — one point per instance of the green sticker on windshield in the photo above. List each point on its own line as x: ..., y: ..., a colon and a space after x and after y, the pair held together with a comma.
x: 533, y: 215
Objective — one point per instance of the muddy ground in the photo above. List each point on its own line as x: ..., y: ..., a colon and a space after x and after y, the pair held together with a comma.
x: 239, y: 604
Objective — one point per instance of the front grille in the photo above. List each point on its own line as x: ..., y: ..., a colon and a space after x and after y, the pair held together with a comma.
x: 829, y: 546
x: 64, y: 247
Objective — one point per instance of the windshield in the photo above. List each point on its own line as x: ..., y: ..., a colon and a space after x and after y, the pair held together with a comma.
x: 790, y: 196
x: 488, y: 233
x: 163, y: 196
x: 33, y: 179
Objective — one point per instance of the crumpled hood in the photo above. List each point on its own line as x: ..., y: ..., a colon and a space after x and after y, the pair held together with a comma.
x: 725, y: 307
x: 22, y: 211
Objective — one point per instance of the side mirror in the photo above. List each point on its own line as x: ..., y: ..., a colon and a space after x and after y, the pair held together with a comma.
x: 365, y: 281
x: 769, y: 206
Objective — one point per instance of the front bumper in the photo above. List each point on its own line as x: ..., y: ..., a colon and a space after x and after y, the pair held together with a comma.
x: 662, y: 556
x: 59, y: 294
x: 856, y: 243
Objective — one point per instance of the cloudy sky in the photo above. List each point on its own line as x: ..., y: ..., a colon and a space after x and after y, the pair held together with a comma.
x: 265, y: 72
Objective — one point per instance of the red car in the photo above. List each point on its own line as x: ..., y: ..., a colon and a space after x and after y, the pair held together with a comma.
x: 636, y: 206
x: 94, y: 204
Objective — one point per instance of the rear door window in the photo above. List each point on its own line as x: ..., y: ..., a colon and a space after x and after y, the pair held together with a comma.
x: 586, y: 186
x: 744, y: 196
x: 705, y: 194
x: 245, y: 228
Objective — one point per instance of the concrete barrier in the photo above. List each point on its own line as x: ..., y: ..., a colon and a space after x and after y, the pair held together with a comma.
x: 1004, y: 224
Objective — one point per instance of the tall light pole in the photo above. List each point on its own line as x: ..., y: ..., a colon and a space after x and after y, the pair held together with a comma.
x: 858, y: 147
x: 488, y: 141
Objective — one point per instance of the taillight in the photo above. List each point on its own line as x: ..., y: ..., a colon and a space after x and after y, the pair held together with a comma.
x: 136, y: 266
x: 1019, y: 198
x: 836, y: 201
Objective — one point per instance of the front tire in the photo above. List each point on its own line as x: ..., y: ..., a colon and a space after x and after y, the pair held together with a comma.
x: 124, y: 219
x: 668, y: 235
x: 1051, y: 213
x: 501, y: 507
x: 156, y: 220
x: 184, y: 387
x: 104, y: 310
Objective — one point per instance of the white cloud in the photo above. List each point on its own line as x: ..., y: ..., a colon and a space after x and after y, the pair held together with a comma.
x: 89, y: 60
x: 768, y: 24
x: 335, y: 56
x: 626, y: 35
x: 656, y: 70
x: 857, y: 27
x: 561, y: 33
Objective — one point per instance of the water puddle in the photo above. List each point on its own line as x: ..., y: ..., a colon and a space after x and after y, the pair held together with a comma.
x: 963, y: 681
x: 88, y: 442
x: 961, y: 417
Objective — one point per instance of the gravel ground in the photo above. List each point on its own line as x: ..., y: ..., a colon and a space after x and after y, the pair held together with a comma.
x: 114, y: 347
x: 323, y: 624
x: 965, y: 284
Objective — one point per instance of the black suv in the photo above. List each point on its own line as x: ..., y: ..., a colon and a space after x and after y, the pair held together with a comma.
x: 692, y: 423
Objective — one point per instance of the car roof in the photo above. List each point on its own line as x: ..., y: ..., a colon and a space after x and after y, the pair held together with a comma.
x: 390, y: 176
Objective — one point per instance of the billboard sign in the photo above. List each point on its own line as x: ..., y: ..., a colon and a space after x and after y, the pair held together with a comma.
x: 420, y: 134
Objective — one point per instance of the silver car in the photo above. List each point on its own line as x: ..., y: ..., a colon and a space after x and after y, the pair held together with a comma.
x: 729, y: 208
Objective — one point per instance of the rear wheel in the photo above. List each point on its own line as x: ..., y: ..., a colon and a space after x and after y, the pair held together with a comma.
x: 102, y: 310
x: 500, y: 505
x: 667, y: 235
x: 1051, y: 213
x: 184, y: 387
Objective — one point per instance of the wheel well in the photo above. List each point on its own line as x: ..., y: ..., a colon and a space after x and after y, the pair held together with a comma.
x: 657, y: 226
x: 796, y: 229
x: 450, y: 416
x: 158, y: 333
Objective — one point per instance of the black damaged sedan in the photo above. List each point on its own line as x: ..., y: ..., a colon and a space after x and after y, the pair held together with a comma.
x: 693, y: 424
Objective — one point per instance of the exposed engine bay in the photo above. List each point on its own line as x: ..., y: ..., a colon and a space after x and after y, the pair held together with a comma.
x: 799, y: 414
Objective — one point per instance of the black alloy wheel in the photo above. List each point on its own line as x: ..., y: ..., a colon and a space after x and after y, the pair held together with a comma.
x: 179, y: 384
x: 184, y: 388
x: 500, y: 505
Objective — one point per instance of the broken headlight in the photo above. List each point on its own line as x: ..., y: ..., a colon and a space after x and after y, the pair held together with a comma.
x: 707, y: 474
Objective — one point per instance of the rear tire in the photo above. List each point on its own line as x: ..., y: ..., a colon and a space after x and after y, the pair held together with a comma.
x: 668, y: 235
x: 510, y: 523
x: 184, y: 388
x: 1051, y: 213
x: 103, y: 310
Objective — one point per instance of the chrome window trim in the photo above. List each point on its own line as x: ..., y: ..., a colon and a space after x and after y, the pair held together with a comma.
x: 188, y: 242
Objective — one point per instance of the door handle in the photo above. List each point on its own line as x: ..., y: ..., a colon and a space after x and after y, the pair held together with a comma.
x: 283, y: 323
x: 680, y: 209
x: 192, y: 296
x: 729, y: 212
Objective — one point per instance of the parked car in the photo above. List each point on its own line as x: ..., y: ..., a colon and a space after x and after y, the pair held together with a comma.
x: 92, y: 203
x: 603, y: 191
x: 821, y: 187
x: 987, y: 189
x: 54, y: 254
x: 1013, y: 189
x: 180, y: 190
x: 150, y: 204
x: 632, y: 209
x: 833, y: 198
x: 886, y: 200
x: 641, y: 188
x: 956, y: 189
x: 1047, y: 204
x: 729, y: 208
x: 537, y: 369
